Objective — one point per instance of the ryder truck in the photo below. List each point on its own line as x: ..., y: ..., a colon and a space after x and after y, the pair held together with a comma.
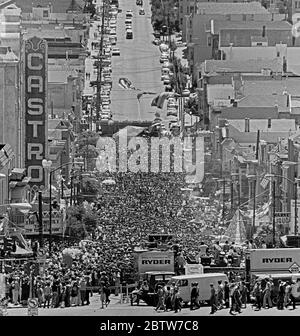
x: 270, y: 261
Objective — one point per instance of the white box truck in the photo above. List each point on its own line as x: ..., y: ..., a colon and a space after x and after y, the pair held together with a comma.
x: 279, y: 260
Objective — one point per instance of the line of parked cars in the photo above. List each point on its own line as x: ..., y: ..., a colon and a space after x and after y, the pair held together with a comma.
x: 128, y: 25
x: 109, y: 50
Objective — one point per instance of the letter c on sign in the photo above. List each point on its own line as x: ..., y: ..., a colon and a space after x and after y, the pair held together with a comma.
x: 30, y: 63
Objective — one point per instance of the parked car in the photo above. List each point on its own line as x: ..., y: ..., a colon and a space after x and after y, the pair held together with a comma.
x: 115, y: 52
x: 142, y: 11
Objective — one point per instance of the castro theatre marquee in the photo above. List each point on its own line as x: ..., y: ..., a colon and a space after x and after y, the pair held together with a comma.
x: 35, y: 82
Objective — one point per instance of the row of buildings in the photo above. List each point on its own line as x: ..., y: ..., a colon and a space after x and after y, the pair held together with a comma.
x: 244, y: 61
x: 41, y: 86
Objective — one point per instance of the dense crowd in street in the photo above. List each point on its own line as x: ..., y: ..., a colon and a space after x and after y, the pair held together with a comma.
x: 128, y: 211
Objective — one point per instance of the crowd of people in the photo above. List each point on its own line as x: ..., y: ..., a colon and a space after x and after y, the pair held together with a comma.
x: 137, y: 205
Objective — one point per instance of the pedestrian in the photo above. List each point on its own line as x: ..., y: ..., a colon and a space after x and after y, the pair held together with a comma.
x: 195, y: 296
x: 257, y: 293
x: 267, y: 296
x: 82, y: 288
x: 220, y: 295
x: 213, y: 299
x: 15, y: 291
x: 74, y: 294
x: 287, y: 294
x: 161, y: 298
x: 47, y: 294
x: 237, y: 299
x: 281, y: 294
x: 40, y: 295
x: 244, y: 294
x: 226, y: 294
x: 177, y: 301
x: 102, y: 295
x: 294, y: 292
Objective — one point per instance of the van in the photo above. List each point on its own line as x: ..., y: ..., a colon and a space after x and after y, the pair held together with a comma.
x: 184, y: 284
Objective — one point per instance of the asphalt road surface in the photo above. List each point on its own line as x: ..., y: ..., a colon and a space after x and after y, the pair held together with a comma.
x: 138, y: 62
x: 125, y: 309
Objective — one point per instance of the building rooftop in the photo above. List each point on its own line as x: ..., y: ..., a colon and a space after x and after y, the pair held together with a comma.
x: 5, y: 3
x: 230, y: 8
x: 255, y: 101
x: 46, y: 33
x: 291, y: 85
x: 277, y: 125
x: 217, y: 25
x: 280, y: 128
x: 249, y: 66
x: 59, y: 6
x: 236, y: 113
x: 60, y: 76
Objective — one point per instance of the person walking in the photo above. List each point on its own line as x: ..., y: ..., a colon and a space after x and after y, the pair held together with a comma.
x: 287, y: 294
x: 226, y: 294
x: 74, y: 294
x: 161, y: 298
x: 82, y: 288
x: 213, y: 299
x: 195, y: 296
x: 267, y: 296
x: 244, y: 294
x: 294, y: 292
x: 47, y: 294
x: 220, y: 295
x: 40, y: 295
x: 281, y: 293
x: 15, y: 291
x: 177, y: 300
x: 257, y: 294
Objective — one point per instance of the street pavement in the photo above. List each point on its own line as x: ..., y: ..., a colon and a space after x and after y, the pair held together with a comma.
x: 115, y: 308
x: 139, y: 62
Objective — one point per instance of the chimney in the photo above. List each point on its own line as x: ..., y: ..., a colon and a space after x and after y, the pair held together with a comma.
x: 264, y: 31
x: 247, y: 125
x: 269, y: 122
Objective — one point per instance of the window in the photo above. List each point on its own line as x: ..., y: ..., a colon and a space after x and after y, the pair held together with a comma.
x: 188, y: 10
x: 183, y: 283
x: 181, y: 21
x: 191, y: 9
x: 181, y: 9
x: 252, y: 17
x: 209, y: 41
x: 45, y: 14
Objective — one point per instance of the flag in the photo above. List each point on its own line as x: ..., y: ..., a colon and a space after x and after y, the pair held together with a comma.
x: 154, y: 101
x: 160, y: 99
x: 139, y: 95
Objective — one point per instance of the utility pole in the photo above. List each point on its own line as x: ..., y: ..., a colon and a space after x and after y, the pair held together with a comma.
x: 99, y: 69
x: 296, y: 209
x: 273, y: 217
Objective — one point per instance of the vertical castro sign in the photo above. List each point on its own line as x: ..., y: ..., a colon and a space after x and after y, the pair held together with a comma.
x: 35, y: 108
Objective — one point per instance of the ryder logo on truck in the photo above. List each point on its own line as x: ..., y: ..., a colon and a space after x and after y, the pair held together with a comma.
x: 276, y: 260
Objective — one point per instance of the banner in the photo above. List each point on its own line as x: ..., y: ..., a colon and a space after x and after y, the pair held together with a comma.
x: 35, y: 90
x: 155, y: 261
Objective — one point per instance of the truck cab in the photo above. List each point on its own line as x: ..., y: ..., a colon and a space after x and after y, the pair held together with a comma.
x: 153, y: 278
